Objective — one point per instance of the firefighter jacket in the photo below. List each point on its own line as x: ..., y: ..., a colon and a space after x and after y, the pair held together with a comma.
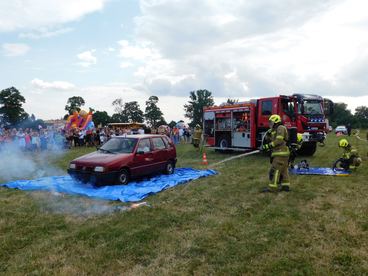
x: 350, y: 153
x: 197, y: 133
x: 279, y: 138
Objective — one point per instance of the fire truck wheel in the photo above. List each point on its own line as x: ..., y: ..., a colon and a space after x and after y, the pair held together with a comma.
x: 308, y: 148
x: 224, y: 143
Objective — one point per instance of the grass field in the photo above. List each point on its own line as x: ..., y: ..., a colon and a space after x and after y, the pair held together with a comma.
x: 216, y: 225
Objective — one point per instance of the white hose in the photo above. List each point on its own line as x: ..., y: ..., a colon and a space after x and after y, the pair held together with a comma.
x: 234, y: 157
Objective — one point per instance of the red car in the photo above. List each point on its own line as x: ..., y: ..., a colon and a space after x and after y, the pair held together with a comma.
x: 125, y: 157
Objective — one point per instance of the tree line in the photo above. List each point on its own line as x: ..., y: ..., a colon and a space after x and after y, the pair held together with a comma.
x: 13, y: 114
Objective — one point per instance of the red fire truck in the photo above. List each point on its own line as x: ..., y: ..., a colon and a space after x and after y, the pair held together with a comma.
x: 241, y: 126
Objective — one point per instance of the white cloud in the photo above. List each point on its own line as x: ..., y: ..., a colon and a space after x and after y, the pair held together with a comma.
x: 55, y: 85
x: 87, y: 58
x: 28, y: 14
x: 15, y: 49
x: 45, y: 32
x: 126, y: 65
x: 251, y: 48
x: 141, y: 51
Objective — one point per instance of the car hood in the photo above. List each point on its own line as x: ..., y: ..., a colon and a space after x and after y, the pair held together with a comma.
x: 100, y: 158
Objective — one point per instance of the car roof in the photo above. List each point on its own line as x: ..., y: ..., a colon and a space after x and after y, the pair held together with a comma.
x: 140, y: 136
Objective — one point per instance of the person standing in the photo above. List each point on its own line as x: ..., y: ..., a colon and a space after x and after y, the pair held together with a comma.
x: 348, y: 128
x: 278, y: 137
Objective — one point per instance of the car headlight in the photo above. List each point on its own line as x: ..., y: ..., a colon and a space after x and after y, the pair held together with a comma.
x: 72, y: 166
x: 99, y: 169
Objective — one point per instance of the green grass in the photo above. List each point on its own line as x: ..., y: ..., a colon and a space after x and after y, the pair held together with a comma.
x: 216, y: 225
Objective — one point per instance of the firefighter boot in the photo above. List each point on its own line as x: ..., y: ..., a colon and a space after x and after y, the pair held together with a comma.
x: 285, y: 188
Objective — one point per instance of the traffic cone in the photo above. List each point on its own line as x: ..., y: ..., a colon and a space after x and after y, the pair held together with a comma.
x: 204, y: 159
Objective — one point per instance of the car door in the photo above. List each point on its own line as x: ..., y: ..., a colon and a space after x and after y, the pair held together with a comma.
x: 143, y: 161
x: 160, y: 153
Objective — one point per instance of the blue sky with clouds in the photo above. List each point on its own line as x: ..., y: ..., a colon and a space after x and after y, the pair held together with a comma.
x: 106, y: 49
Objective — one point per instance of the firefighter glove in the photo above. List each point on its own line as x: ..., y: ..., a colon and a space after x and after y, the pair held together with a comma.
x: 266, y: 147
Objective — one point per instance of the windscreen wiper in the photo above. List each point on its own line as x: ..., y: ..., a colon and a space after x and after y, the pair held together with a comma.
x: 108, y: 151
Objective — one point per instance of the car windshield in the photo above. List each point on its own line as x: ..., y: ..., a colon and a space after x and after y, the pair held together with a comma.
x: 119, y: 145
x: 313, y: 108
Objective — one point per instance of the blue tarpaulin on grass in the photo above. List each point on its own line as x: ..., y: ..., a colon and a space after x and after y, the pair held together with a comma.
x: 134, y: 191
x: 319, y: 171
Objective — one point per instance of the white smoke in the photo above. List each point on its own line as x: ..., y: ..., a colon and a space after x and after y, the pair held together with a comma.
x: 17, y: 164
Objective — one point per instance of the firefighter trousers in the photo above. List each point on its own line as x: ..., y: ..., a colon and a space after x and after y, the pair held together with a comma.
x: 279, y: 170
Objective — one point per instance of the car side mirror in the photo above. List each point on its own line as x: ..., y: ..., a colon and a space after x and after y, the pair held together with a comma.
x: 98, y: 147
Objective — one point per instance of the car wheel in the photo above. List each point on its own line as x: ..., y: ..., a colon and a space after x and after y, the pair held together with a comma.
x: 123, y: 177
x: 169, y: 168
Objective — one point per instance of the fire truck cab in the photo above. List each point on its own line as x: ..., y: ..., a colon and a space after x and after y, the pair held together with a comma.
x: 241, y: 126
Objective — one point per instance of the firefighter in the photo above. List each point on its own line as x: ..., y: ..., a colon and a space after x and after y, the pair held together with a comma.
x: 294, y: 147
x: 197, y: 136
x: 278, y: 135
x: 350, y: 158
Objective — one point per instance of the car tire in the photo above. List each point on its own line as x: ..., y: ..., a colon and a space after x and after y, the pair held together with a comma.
x: 123, y: 177
x: 169, y: 167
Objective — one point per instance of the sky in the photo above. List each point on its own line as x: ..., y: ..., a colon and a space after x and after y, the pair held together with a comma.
x: 102, y: 50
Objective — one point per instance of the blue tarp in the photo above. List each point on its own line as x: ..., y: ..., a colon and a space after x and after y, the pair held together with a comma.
x: 319, y: 171
x: 134, y: 191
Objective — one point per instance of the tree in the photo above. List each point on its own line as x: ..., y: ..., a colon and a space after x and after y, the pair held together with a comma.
x: 101, y: 118
x: 128, y: 112
x: 132, y: 112
x: 194, y: 108
x: 74, y: 104
x: 361, y: 115
x: 153, y: 113
x: 118, y: 118
x: 341, y: 115
x: 11, y: 110
x: 172, y: 124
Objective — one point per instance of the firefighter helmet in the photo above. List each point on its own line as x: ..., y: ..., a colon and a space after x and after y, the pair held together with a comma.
x: 343, y: 143
x: 275, y: 118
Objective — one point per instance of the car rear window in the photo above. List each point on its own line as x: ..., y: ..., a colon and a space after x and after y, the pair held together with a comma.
x: 167, y: 142
x: 158, y: 144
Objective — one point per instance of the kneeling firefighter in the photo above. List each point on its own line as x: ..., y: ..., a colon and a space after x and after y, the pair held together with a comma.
x: 350, y: 158
x: 278, y: 137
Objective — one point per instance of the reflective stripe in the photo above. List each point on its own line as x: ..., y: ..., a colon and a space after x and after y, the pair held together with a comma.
x: 285, y: 184
x: 276, y: 177
x: 272, y: 144
x: 280, y: 137
x: 282, y: 153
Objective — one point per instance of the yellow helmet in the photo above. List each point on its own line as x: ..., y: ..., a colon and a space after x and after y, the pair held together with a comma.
x: 343, y: 143
x: 275, y: 118
x: 299, y: 137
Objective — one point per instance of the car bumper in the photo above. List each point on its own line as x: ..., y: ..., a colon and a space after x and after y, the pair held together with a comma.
x: 97, y: 178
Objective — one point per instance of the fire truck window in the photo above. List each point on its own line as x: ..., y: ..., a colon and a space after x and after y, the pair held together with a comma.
x: 288, y: 107
x: 209, y: 128
x: 267, y: 108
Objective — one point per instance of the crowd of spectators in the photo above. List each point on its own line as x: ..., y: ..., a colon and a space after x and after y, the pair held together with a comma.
x: 29, y: 139
x: 45, y: 138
